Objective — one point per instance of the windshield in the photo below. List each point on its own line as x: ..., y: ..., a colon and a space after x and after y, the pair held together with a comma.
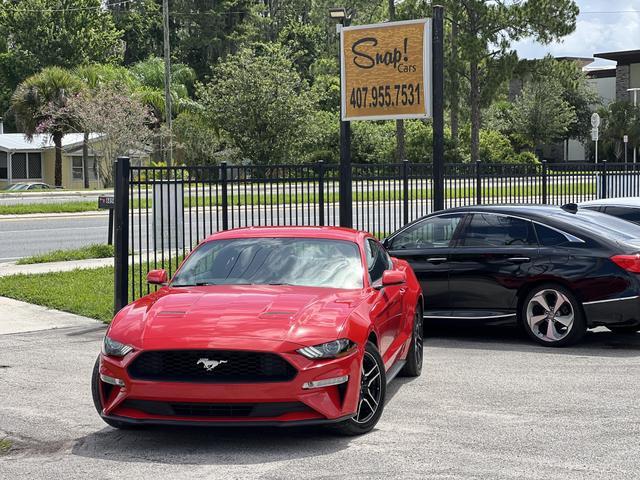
x: 274, y: 261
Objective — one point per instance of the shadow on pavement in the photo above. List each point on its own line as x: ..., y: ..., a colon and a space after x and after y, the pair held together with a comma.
x: 599, y: 342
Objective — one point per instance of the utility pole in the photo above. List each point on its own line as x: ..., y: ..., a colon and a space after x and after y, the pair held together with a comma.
x: 167, y: 76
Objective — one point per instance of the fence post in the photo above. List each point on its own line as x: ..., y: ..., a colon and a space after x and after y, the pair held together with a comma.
x: 603, y: 182
x: 405, y: 192
x: 121, y: 240
x: 478, y: 183
x: 321, y: 192
x: 544, y: 182
x: 225, y: 196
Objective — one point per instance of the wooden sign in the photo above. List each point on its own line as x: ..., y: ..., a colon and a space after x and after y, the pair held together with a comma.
x: 386, y: 71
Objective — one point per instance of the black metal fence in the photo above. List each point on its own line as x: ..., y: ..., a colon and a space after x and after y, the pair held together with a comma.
x: 163, y: 212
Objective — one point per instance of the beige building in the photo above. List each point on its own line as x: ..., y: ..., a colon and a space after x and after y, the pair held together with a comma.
x: 24, y: 160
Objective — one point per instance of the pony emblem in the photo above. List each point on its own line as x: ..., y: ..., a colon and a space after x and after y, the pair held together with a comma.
x: 209, y: 365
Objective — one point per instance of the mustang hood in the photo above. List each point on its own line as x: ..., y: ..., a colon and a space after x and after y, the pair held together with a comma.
x: 277, y: 313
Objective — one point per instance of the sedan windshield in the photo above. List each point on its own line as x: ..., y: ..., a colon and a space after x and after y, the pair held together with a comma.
x: 274, y: 261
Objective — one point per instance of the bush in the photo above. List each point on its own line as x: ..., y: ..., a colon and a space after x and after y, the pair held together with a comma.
x: 419, y: 143
x: 373, y: 142
x: 495, y: 147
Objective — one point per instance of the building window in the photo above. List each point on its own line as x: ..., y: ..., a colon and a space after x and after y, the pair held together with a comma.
x: 34, y: 164
x: 19, y: 166
x: 4, y: 168
x: 76, y: 168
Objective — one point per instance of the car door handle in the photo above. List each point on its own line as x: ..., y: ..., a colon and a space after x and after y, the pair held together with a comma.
x: 519, y: 259
x: 436, y: 260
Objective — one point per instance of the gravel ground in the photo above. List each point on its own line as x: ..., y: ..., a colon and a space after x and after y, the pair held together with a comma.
x: 489, y: 405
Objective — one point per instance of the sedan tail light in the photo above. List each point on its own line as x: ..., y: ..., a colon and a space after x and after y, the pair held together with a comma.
x: 631, y: 263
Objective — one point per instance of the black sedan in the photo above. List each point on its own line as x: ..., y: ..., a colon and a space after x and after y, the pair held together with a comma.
x: 556, y: 271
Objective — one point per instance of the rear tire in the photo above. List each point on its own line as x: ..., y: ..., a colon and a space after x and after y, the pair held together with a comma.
x: 413, y: 367
x: 373, y: 390
x: 97, y: 402
x: 551, y: 316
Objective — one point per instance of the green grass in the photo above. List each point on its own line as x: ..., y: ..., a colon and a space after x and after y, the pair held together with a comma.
x: 91, y: 251
x: 5, y: 446
x: 83, y: 292
x: 65, y: 207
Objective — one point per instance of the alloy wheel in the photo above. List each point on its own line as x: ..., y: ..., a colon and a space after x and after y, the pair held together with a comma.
x: 550, y: 315
x: 370, y: 389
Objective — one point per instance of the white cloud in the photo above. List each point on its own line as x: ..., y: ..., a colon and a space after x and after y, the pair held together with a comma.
x: 595, y: 32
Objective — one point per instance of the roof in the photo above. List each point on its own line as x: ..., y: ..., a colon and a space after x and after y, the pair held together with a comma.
x: 331, y: 233
x: 18, y: 142
x: 623, y: 57
x: 619, y: 202
x: 601, y: 72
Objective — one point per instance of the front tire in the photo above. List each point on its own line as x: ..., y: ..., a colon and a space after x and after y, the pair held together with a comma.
x: 552, y: 316
x: 413, y: 367
x: 373, y: 390
x: 97, y: 401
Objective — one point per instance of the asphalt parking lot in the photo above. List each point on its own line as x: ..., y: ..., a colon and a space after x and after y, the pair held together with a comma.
x: 489, y: 405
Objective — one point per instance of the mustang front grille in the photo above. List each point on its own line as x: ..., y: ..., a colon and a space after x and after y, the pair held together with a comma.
x: 211, y: 366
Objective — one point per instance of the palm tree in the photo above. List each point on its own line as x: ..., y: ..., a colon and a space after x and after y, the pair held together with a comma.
x: 150, y: 75
x: 39, y: 105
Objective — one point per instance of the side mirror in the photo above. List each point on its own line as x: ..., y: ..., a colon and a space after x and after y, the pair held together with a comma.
x: 393, y: 277
x: 157, y: 277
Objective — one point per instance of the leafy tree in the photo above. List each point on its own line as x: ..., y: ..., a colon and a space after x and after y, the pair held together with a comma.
x: 261, y: 103
x: 140, y: 22
x: 40, y: 106
x: 619, y: 119
x: 121, y: 119
x: 197, y: 140
x: 541, y: 114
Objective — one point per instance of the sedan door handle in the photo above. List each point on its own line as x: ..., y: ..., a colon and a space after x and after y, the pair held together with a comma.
x: 519, y: 259
x: 436, y: 260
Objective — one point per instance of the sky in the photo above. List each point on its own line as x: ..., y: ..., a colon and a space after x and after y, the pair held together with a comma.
x: 603, y: 26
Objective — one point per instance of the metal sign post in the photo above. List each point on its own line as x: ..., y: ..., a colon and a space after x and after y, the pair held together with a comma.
x: 108, y: 203
x: 625, y: 139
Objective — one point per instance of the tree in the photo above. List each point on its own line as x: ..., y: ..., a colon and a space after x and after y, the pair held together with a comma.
x: 485, y: 31
x: 541, y: 114
x: 40, y: 106
x: 261, y: 103
x: 121, y: 120
x: 141, y: 25
x: 619, y: 119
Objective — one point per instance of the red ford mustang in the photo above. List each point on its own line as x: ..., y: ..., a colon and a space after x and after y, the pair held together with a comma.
x: 265, y: 326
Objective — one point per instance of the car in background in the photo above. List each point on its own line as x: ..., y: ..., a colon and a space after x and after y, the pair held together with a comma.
x: 627, y: 208
x: 554, y: 271
x: 28, y: 187
x: 265, y: 326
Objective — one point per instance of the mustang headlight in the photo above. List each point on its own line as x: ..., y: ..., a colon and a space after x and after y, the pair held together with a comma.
x: 333, y: 349
x: 115, y: 349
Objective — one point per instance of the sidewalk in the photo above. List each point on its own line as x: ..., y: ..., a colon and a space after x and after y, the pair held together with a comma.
x: 19, y: 317
x: 11, y: 268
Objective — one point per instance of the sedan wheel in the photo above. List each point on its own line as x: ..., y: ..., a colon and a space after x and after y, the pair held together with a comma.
x: 552, y: 317
x: 373, y: 389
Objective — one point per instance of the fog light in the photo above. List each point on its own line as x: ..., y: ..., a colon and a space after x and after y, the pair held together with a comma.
x: 327, y: 382
x: 112, y: 380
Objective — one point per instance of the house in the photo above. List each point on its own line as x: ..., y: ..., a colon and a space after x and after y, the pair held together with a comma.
x: 627, y: 72
x: 33, y: 160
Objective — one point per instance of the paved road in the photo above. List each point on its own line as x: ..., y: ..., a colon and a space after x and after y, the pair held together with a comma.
x: 489, y: 406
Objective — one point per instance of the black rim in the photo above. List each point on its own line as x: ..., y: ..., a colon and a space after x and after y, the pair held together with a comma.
x: 418, y: 337
x: 370, y: 389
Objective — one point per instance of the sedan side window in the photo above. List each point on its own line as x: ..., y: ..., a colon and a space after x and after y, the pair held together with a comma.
x: 489, y: 230
x: 434, y: 232
x: 549, y: 237
x: 625, y: 213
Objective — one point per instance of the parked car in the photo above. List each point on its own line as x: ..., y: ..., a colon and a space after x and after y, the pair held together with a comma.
x: 555, y: 271
x: 265, y: 326
x: 625, y: 208
x: 28, y: 187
